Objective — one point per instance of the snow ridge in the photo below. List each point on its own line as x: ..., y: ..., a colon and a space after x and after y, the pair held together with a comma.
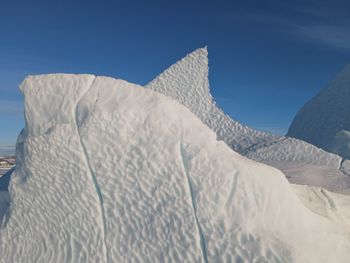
x: 203, y: 243
x: 92, y: 174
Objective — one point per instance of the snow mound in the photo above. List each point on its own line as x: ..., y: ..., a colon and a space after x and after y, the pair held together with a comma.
x: 325, y: 117
x: 187, y: 82
x: 124, y: 174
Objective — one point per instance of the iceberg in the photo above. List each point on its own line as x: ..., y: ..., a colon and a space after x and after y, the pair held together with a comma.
x: 324, y: 120
x: 108, y: 171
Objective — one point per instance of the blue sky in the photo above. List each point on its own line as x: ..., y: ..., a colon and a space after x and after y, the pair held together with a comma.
x: 266, y: 58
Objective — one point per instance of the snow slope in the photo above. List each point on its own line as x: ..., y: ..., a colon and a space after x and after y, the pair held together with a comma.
x: 325, y: 120
x: 187, y: 82
x: 303, y: 163
x: 333, y: 206
x: 124, y: 174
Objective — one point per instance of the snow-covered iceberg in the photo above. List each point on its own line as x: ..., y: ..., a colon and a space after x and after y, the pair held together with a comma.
x: 325, y: 120
x: 108, y: 171
x: 187, y: 82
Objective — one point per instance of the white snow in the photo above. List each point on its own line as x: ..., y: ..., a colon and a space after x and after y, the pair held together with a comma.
x: 324, y: 120
x: 333, y: 206
x: 187, y: 82
x: 306, y: 164
x: 124, y: 174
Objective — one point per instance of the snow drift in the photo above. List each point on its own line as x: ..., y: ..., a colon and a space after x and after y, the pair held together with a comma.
x: 325, y: 120
x: 108, y: 171
x: 187, y: 82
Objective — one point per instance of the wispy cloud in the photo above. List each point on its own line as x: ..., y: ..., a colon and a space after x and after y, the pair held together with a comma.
x: 8, y: 107
x: 319, y: 22
x: 336, y: 36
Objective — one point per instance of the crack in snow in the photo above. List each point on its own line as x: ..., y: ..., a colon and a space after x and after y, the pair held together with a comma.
x: 92, y: 174
x: 329, y: 200
x: 342, y: 160
x: 261, y: 145
x: 203, y: 244
x: 340, y: 167
x: 233, y: 189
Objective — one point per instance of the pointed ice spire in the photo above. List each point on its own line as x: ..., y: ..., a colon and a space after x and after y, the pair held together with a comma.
x: 187, y: 82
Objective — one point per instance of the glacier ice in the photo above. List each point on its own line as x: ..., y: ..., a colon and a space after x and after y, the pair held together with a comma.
x: 340, y: 144
x: 187, y: 82
x: 325, y: 120
x: 125, y: 174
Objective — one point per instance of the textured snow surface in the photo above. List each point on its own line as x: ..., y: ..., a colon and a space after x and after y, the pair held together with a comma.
x: 334, y: 206
x: 187, y: 82
x: 304, y: 163
x: 325, y: 120
x: 124, y: 174
x: 53, y: 214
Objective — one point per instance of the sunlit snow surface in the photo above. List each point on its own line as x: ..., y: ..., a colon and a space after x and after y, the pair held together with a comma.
x: 108, y: 171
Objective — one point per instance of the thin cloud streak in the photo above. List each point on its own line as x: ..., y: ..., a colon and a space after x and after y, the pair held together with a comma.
x: 334, y: 36
x: 10, y: 107
x: 317, y: 23
x: 7, y: 150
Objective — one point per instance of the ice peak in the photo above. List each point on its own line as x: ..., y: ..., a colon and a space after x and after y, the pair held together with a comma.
x: 187, y: 81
